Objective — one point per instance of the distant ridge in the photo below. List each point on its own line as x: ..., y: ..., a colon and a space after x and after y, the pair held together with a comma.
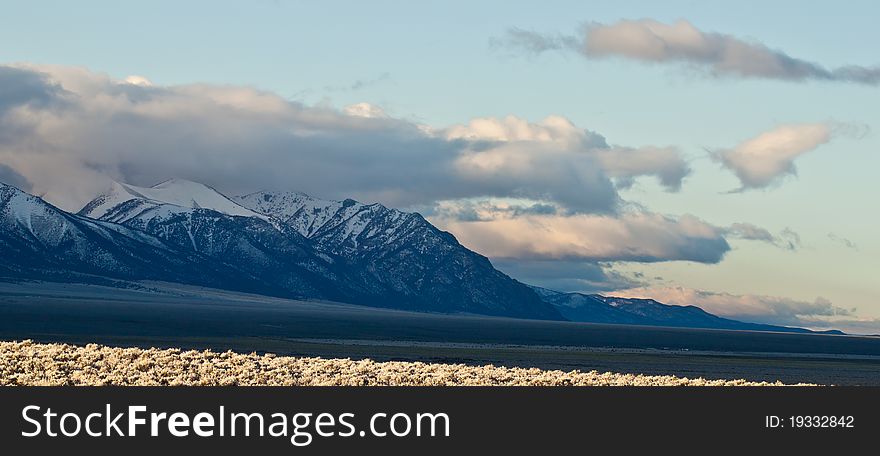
x: 596, y: 308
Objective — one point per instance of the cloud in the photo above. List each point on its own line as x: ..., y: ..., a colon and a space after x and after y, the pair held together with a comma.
x: 567, y: 275
x: 764, y: 160
x: 65, y: 129
x: 540, y: 198
x: 487, y: 210
x: 634, y: 236
x: 533, y: 42
x: 509, y: 188
x: 520, y: 145
x: 843, y: 241
x: 11, y: 177
x: 787, y: 239
x: 715, y: 54
x: 818, y: 314
x: 543, y: 245
x: 20, y: 87
x: 365, y: 110
x: 138, y: 80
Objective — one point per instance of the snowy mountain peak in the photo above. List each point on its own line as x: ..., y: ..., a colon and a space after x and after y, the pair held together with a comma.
x: 347, y: 220
x: 181, y: 194
x: 20, y: 208
x: 360, y: 254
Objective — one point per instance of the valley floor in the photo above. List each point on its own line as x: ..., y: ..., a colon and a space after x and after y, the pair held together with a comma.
x: 447, y: 347
x: 29, y: 363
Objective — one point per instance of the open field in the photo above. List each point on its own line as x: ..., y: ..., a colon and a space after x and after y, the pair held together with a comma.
x: 28, y: 363
x: 187, y: 318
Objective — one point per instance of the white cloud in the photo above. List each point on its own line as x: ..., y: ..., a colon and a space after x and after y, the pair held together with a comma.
x: 525, y: 147
x: 65, y: 129
x: 543, y: 245
x: 365, y: 110
x: 138, y: 80
x: 636, y: 236
x: 512, y: 128
x: 716, y: 54
x: 765, y: 159
x: 551, y: 184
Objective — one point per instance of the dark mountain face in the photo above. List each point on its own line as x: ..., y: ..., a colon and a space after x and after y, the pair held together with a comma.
x: 590, y: 309
x: 688, y: 316
x: 338, y: 250
x: 594, y: 308
x: 402, y: 256
x: 249, y: 245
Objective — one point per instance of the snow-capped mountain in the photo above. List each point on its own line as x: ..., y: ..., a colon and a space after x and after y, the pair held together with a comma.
x: 346, y: 228
x: 305, y: 214
x: 401, y: 256
x: 292, y: 245
x: 196, y: 218
x: 311, y: 248
x: 588, y: 308
x: 122, y: 202
x: 40, y: 241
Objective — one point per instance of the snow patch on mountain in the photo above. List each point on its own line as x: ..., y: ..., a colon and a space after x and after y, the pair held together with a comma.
x: 40, y: 235
x: 161, y: 200
x: 347, y: 220
x: 285, y: 244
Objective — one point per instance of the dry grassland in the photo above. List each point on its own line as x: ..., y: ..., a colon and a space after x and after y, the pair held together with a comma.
x: 29, y: 363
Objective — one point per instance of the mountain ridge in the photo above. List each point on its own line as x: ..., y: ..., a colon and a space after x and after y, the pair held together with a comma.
x: 175, y: 192
x: 345, y: 250
x: 597, y: 308
x: 40, y: 240
x: 290, y: 244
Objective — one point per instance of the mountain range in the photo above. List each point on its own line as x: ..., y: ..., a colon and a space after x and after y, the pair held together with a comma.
x: 596, y: 308
x: 292, y: 245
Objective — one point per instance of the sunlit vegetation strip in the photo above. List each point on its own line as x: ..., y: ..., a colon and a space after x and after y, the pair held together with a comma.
x: 29, y: 363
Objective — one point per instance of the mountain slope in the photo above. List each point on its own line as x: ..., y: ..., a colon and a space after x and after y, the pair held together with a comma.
x: 197, y: 219
x: 595, y: 308
x: 177, y: 193
x: 309, y: 248
x: 293, y: 245
x: 590, y: 309
x: 41, y: 242
x: 401, y: 257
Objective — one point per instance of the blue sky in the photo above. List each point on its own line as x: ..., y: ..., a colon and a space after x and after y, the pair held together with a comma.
x: 444, y: 63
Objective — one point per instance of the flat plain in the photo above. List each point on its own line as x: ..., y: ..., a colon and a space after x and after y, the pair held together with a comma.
x: 170, y: 316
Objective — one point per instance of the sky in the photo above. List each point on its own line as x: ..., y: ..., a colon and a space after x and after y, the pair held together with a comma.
x: 693, y: 152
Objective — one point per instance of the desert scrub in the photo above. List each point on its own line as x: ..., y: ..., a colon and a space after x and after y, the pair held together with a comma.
x: 29, y: 363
